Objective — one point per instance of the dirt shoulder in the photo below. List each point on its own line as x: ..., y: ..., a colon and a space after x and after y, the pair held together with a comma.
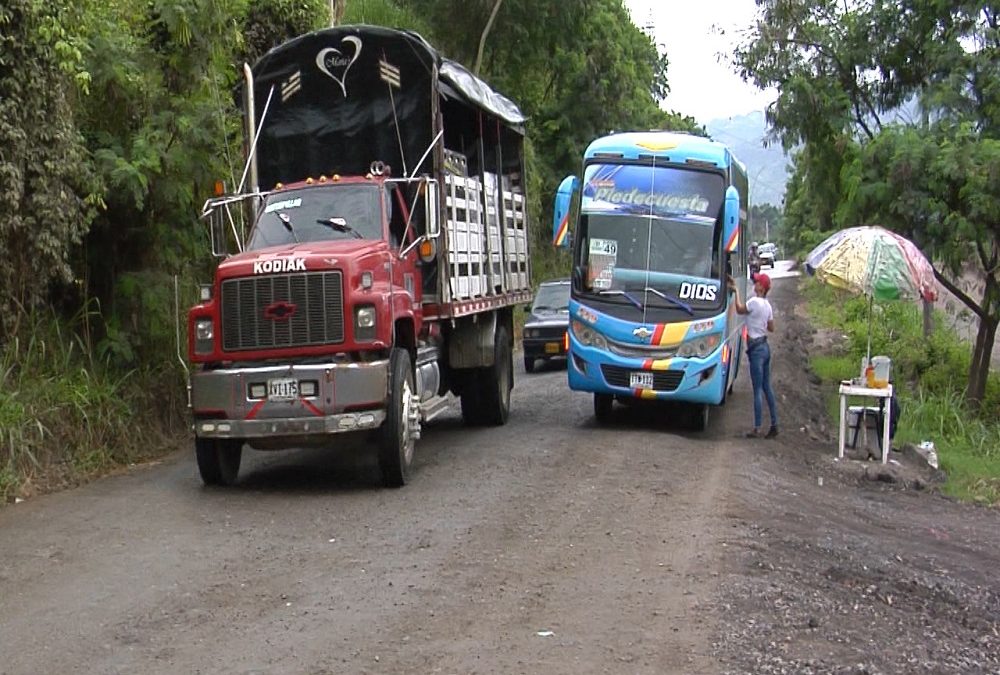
x: 849, y: 566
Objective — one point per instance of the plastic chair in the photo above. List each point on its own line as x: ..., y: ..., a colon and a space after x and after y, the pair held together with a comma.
x: 858, y: 416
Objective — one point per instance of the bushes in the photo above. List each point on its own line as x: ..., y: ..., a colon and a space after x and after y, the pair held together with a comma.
x: 65, y: 416
x: 930, y: 377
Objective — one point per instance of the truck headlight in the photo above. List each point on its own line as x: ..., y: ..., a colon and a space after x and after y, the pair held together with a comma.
x: 587, y: 336
x: 364, y: 322
x: 700, y: 346
x: 204, y: 335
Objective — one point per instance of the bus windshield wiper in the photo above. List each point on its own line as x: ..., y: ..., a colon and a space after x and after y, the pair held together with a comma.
x: 628, y: 297
x: 340, y: 225
x: 669, y: 298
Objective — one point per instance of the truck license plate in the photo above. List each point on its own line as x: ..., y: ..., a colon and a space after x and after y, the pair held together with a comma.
x: 641, y: 380
x: 551, y: 347
x: 282, y: 389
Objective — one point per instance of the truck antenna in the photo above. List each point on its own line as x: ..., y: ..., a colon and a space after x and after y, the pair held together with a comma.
x: 430, y: 147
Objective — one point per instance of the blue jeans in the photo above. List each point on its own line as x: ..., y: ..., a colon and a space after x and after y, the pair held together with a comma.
x: 759, y: 356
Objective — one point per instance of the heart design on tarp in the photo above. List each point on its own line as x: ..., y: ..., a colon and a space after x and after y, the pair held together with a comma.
x: 335, y: 62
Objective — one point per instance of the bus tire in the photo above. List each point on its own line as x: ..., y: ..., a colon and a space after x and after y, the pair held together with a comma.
x: 399, y: 431
x: 603, y: 404
x: 218, y: 459
x: 698, y: 417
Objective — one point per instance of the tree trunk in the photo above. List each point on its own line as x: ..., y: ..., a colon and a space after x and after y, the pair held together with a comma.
x: 337, y: 8
x: 979, y: 369
x: 482, y: 38
x: 928, y: 318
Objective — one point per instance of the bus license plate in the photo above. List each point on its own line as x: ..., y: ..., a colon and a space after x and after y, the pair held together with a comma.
x: 282, y: 389
x: 641, y: 380
x: 551, y: 347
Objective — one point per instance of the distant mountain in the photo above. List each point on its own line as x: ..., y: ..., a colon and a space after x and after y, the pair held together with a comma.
x: 767, y: 167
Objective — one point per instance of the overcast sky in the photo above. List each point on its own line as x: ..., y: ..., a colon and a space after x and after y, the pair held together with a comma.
x: 700, y: 85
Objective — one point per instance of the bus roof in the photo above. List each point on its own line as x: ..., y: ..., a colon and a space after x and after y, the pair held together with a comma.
x: 666, y: 145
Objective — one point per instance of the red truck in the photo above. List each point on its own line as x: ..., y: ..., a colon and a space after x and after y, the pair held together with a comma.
x: 387, y: 249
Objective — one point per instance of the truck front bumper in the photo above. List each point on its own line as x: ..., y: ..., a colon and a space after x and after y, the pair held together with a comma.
x: 345, y: 397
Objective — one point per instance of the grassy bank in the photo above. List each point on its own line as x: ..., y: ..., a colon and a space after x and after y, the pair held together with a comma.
x: 66, y: 416
x: 930, y: 376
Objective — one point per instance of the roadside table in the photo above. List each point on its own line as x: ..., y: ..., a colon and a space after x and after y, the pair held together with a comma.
x: 883, y: 394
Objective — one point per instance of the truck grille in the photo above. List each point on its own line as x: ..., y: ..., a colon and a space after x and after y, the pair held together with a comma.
x: 663, y: 380
x: 283, y: 310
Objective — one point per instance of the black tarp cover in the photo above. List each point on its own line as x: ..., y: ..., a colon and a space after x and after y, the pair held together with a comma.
x: 331, y: 110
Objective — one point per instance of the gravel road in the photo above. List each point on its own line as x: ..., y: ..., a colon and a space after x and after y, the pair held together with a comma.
x: 550, y: 545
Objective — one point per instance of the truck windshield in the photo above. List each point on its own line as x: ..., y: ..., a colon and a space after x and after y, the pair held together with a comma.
x: 319, y: 213
x: 655, y: 229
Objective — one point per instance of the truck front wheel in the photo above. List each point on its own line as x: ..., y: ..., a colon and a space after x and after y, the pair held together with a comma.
x: 218, y: 459
x: 402, y: 422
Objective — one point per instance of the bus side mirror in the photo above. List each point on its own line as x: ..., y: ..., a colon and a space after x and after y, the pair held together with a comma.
x: 731, y: 220
x: 562, y: 213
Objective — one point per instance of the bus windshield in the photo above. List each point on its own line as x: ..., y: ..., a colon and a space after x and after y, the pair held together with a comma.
x: 652, y: 228
x: 318, y: 214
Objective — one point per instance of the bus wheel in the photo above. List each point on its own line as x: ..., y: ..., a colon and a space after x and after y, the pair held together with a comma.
x: 699, y: 417
x: 218, y: 459
x: 402, y: 423
x: 603, y: 403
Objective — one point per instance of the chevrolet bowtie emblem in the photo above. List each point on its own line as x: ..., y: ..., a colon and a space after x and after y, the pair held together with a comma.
x: 642, y: 332
x: 279, y: 311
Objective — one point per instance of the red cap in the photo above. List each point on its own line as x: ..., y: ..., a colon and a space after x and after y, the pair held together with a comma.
x: 763, y: 280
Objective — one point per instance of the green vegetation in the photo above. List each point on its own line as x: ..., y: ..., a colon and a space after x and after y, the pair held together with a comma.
x: 99, y: 204
x: 929, y: 383
x: 892, y: 109
x: 65, y: 416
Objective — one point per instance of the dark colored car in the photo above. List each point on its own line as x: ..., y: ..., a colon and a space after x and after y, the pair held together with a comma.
x: 548, y: 320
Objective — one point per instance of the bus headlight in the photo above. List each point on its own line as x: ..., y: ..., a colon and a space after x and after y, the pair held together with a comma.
x: 587, y: 336
x: 700, y: 346
x: 204, y: 334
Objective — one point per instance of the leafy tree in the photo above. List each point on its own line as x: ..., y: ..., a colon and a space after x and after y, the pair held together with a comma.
x: 269, y: 23
x: 844, y: 70
x: 155, y: 124
x: 47, y: 190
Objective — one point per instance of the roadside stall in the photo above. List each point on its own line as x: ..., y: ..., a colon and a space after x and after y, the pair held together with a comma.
x: 880, y: 265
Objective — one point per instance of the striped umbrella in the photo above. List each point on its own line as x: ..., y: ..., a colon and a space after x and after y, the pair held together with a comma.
x: 874, y: 262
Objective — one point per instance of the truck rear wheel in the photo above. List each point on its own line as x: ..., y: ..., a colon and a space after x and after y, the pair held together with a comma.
x: 218, y: 459
x: 486, y: 398
x: 402, y: 422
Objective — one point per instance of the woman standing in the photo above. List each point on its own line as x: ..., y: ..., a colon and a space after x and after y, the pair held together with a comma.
x: 759, y: 322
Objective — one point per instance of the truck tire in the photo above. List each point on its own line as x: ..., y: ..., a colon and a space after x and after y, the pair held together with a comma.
x: 218, y: 459
x: 529, y: 364
x: 497, y: 382
x: 398, y: 434
x: 603, y: 403
x: 486, y: 397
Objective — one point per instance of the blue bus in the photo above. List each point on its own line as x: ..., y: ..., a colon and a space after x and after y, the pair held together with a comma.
x: 658, y: 220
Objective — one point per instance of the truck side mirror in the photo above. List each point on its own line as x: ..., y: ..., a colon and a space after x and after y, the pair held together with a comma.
x: 432, y: 216
x: 562, y: 216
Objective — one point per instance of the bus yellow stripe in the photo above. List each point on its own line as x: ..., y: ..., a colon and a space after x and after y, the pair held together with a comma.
x: 673, y: 333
